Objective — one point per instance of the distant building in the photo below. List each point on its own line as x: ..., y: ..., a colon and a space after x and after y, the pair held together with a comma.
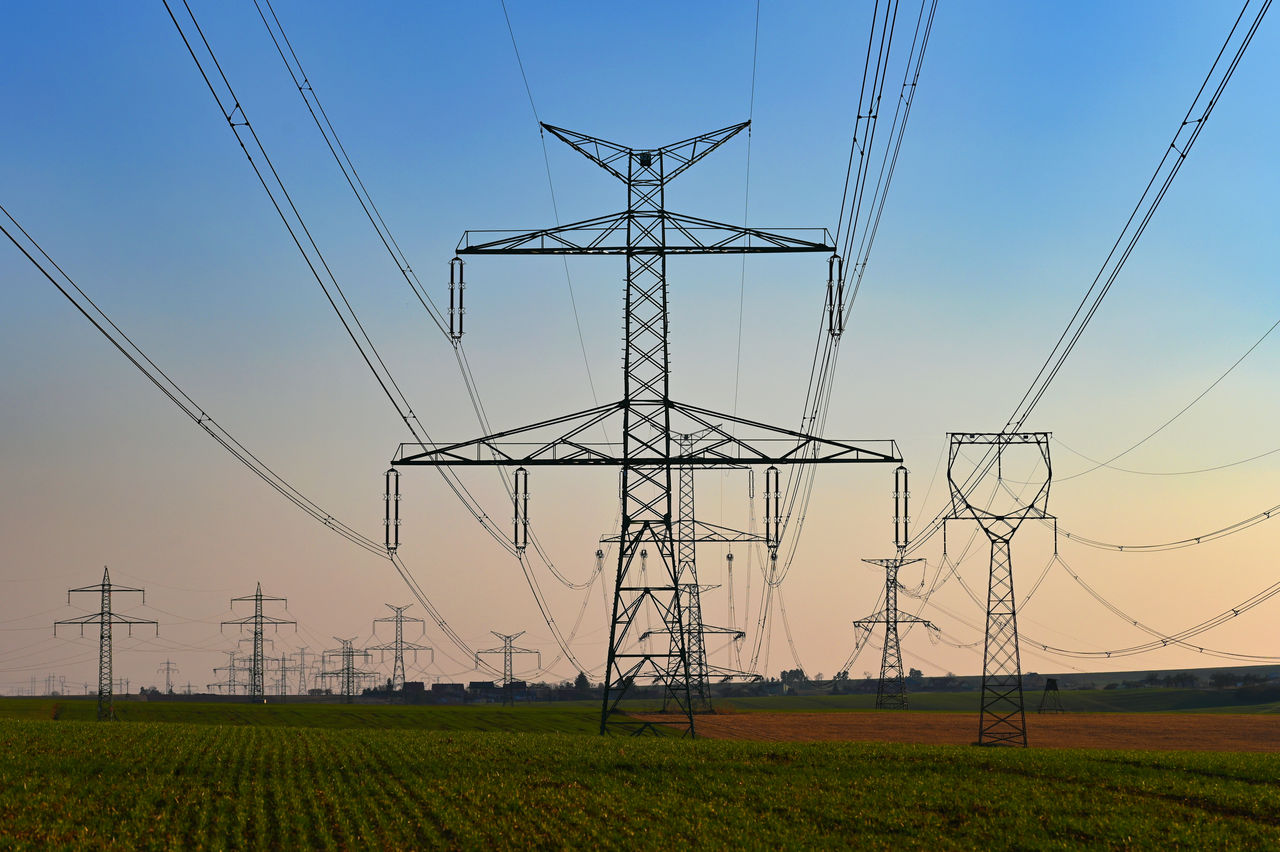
x: 448, y: 693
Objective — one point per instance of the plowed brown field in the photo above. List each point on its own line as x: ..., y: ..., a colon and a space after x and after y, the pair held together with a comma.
x: 1154, y: 731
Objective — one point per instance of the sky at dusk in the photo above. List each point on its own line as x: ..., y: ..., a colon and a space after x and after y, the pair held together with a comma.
x: 1033, y: 133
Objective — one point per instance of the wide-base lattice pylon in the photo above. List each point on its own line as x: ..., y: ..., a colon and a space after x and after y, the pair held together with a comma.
x: 1002, y: 720
x: 645, y: 233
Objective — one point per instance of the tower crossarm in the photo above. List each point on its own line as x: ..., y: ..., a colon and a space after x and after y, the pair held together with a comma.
x: 882, y: 618
x: 103, y: 620
x: 707, y: 532
x: 265, y: 619
x: 543, y: 443
x: 607, y: 235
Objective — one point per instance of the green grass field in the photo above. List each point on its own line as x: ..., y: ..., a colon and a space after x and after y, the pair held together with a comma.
x: 544, y: 718
x: 69, y: 784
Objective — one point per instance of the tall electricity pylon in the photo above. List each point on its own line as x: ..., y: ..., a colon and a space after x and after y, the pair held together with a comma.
x: 891, y: 694
x: 398, y: 646
x: 257, y: 686
x: 105, y: 618
x: 168, y: 669
x: 1003, y: 718
x: 348, y: 675
x: 507, y: 650
x: 645, y: 233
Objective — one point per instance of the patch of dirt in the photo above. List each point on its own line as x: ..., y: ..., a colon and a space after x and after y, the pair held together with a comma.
x: 1150, y: 731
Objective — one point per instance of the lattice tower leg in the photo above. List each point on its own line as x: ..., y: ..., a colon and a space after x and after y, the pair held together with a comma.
x: 686, y: 563
x: 1003, y: 719
x: 256, y: 686
x: 106, y: 709
x: 646, y: 491
x: 892, y: 691
x: 397, y: 670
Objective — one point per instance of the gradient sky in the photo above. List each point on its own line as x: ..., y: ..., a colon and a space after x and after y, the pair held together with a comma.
x: 1034, y: 131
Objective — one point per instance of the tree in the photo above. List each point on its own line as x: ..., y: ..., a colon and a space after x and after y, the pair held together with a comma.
x: 1222, y: 680
x: 581, y: 682
x: 915, y: 674
x: 793, y: 676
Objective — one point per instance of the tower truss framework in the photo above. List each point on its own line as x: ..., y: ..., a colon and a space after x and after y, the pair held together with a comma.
x: 645, y: 233
x: 1002, y: 720
x: 105, y: 618
x: 257, y: 622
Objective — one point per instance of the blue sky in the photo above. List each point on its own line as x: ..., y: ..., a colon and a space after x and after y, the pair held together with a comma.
x: 1034, y: 130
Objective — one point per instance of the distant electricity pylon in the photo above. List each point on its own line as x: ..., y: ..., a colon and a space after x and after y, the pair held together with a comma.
x: 398, y: 645
x: 105, y: 618
x: 302, y: 670
x: 891, y: 694
x: 689, y: 532
x: 168, y: 669
x: 283, y: 670
x: 348, y: 675
x: 232, y: 684
x: 507, y: 650
x: 645, y: 233
x: 1003, y: 718
x: 257, y: 687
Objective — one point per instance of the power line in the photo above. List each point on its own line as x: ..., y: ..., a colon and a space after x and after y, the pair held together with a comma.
x: 746, y: 209
x: 1173, y: 158
x: 293, y: 221
x: 316, y: 109
x: 349, y: 318
x: 1163, y: 640
x: 1178, y: 544
x: 800, y: 481
x: 1109, y: 462
x: 1170, y: 164
x: 175, y: 394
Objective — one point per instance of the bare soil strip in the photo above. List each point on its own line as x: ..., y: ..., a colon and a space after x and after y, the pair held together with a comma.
x: 1150, y: 731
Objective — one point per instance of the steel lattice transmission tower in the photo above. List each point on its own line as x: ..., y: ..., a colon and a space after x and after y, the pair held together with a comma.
x: 232, y: 668
x: 891, y: 694
x: 257, y: 684
x: 507, y: 651
x: 398, y: 646
x: 348, y: 675
x: 168, y: 670
x: 1003, y: 718
x: 105, y: 618
x: 689, y: 532
x: 303, y: 685
x: 645, y: 234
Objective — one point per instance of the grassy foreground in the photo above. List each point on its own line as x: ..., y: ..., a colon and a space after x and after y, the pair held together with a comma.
x: 183, y: 786
x: 538, y: 718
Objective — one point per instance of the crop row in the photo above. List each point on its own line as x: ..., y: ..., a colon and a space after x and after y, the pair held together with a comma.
x: 72, y: 784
